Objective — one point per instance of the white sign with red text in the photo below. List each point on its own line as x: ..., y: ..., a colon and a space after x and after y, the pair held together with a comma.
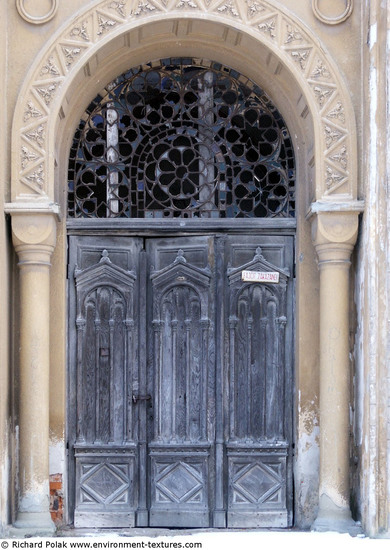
x: 261, y: 276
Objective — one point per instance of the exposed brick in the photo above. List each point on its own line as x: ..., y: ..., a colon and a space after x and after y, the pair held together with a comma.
x: 56, y: 499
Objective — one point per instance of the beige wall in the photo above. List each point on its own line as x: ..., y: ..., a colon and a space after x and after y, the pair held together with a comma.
x: 5, y: 397
x: 373, y: 281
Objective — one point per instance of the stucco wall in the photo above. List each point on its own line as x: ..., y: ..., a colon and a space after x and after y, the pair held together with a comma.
x: 372, y: 285
x: 5, y: 401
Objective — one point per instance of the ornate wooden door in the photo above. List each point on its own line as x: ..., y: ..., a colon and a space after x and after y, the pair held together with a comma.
x: 103, y: 354
x: 258, y: 359
x: 182, y: 374
x: 180, y: 382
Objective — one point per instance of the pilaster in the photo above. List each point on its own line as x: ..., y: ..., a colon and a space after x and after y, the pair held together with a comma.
x: 334, y: 236
x: 34, y: 236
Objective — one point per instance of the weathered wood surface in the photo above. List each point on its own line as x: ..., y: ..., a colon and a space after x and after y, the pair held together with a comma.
x: 180, y: 381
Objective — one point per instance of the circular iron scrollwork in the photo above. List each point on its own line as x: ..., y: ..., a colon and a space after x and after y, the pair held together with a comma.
x: 181, y: 138
x: 177, y: 174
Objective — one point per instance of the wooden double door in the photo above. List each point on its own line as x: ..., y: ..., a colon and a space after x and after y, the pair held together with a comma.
x: 180, y: 381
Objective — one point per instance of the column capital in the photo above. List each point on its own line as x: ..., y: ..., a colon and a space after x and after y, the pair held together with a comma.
x: 334, y: 235
x: 34, y: 236
x: 335, y: 228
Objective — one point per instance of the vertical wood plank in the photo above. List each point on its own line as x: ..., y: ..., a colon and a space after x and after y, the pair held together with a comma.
x: 204, y: 372
x: 142, y: 481
x: 112, y: 424
x: 220, y: 377
x: 188, y: 391
x: 80, y: 324
x: 175, y: 372
x: 233, y: 321
x: 97, y: 378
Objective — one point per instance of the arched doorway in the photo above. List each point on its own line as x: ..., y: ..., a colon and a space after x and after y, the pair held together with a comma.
x: 181, y: 259
x: 277, y: 51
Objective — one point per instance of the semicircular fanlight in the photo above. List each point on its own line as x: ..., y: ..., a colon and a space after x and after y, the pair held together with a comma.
x: 181, y: 138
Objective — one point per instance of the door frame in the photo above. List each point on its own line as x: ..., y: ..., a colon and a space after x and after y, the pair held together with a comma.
x: 142, y: 228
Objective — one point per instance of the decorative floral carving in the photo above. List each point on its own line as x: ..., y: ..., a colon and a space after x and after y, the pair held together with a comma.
x: 119, y: 6
x: 331, y: 136
x: 31, y: 112
x: 144, y: 7
x: 80, y: 32
x: 70, y: 55
x: 337, y: 112
x: 301, y: 57
x: 293, y: 35
x: 341, y: 157
x: 322, y: 94
x: 37, y: 177
x: 27, y: 156
x: 229, y: 8
x: 104, y: 24
x: 47, y: 93
x: 320, y: 70
x: 254, y: 8
x: 332, y: 178
x: 187, y: 4
x: 37, y: 135
x: 268, y: 27
x: 50, y: 68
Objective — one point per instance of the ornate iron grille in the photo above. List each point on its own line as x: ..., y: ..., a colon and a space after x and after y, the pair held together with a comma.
x: 181, y: 138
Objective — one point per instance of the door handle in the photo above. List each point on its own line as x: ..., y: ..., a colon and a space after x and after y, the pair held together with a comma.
x: 137, y: 398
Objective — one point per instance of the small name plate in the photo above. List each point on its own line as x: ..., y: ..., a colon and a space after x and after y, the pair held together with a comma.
x: 261, y: 276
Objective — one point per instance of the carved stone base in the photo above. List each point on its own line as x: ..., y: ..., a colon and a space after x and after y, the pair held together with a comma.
x: 333, y: 518
x: 32, y: 524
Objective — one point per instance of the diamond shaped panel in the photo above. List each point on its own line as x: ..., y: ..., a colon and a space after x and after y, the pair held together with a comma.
x: 179, y: 483
x: 255, y: 483
x: 104, y: 482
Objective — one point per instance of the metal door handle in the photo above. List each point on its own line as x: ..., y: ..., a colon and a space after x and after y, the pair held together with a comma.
x: 137, y: 398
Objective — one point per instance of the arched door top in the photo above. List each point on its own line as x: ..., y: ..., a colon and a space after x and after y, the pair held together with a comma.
x: 183, y: 138
x: 78, y: 45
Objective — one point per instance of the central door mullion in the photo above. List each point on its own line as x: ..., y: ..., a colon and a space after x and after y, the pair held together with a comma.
x: 142, y: 513
x: 220, y: 385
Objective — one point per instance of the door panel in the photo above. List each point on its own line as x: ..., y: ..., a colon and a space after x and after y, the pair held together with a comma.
x: 259, y: 439
x: 180, y: 382
x: 182, y: 354
x: 104, y: 369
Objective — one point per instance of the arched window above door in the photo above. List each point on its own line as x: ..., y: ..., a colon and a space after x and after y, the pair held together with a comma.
x: 181, y: 138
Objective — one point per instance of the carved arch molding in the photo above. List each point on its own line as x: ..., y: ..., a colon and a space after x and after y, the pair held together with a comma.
x: 56, y: 67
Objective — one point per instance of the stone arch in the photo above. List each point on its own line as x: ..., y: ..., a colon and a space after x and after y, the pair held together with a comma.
x: 78, y: 44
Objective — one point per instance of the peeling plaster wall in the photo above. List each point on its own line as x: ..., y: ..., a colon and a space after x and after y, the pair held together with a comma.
x: 373, y: 281
x: 5, y: 396
x: 307, y: 463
